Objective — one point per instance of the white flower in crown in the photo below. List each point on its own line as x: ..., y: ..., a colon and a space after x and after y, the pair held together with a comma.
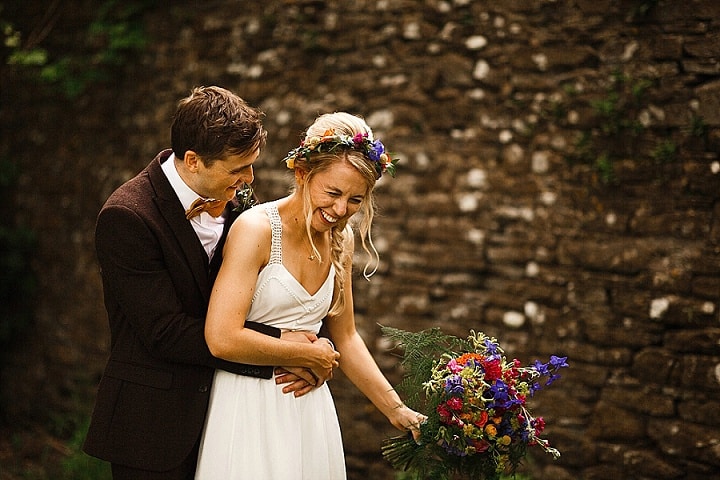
x: 312, y: 142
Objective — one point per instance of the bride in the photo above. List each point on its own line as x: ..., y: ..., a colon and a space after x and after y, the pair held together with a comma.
x: 288, y: 264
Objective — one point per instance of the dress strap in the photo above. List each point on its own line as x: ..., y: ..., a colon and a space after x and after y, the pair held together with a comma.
x: 276, y: 227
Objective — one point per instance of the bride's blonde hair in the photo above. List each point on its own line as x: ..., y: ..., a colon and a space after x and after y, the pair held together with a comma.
x: 342, y: 123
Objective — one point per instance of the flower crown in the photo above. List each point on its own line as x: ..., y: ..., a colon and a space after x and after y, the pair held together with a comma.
x: 374, y: 150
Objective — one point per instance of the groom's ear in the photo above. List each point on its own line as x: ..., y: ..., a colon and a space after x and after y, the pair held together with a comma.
x: 192, y: 161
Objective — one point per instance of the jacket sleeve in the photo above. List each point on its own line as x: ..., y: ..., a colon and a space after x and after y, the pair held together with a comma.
x: 150, y: 288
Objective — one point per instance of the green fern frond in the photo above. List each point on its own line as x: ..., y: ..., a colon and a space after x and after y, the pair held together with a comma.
x: 421, y: 350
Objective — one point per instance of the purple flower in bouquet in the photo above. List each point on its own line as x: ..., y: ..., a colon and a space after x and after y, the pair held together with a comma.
x: 454, y: 385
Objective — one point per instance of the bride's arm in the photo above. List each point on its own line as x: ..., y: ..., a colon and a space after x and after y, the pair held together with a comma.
x: 359, y: 366
x: 246, y: 252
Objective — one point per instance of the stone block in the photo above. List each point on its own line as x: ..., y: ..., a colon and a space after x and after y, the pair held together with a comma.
x: 625, y: 425
x: 704, y: 46
x: 708, y: 96
x: 666, y: 47
x: 686, y: 441
x: 707, y: 287
x: 698, y: 341
x: 700, y: 372
x: 655, y: 366
x: 626, y: 333
x: 644, y: 464
x: 645, y: 400
x: 614, y: 255
x: 700, y: 411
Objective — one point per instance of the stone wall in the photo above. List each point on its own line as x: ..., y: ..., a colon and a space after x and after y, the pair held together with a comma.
x: 559, y: 189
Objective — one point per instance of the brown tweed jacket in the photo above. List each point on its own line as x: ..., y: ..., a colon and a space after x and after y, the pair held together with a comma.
x: 153, y: 395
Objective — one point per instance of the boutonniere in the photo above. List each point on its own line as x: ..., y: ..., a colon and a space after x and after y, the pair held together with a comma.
x: 245, y: 198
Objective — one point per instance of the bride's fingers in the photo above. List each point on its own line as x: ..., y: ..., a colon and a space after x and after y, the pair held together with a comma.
x: 414, y: 426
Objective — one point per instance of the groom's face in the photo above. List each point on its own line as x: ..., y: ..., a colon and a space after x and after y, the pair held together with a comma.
x: 223, y: 177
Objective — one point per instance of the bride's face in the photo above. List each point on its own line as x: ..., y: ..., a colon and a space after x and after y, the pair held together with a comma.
x: 336, y: 194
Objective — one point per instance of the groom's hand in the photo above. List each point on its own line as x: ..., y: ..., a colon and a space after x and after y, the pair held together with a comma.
x: 298, y: 380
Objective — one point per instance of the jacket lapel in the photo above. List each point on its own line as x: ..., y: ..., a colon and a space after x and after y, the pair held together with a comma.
x: 230, y: 216
x: 171, y: 209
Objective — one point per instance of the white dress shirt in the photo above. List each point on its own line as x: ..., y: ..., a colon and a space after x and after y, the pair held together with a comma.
x: 208, y: 228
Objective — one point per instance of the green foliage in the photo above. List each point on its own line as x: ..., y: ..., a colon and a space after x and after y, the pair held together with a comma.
x: 421, y: 350
x: 616, y: 133
x: 616, y: 127
x: 665, y: 152
x: 698, y: 127
x: 73, y: 465
x: 409, y: 476
x: 118, y: 31
x: 643, y: 8
x: 617, y: 111
x: 112, y: 39
x: 604, y: 167
x: 80, y: 466
x: 34, y: 57
x: 12, y: 40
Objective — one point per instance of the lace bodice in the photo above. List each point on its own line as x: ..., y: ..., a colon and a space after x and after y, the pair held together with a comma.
x: 280, y: 299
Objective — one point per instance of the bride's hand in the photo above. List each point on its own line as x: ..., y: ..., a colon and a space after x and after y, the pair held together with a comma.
x: 408, y: 420
x: 325, y: 360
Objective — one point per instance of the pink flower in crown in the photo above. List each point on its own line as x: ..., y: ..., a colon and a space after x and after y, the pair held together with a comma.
x: 359, y: 138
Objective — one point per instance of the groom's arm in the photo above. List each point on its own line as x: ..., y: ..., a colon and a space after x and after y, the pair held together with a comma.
x: 156, y: 299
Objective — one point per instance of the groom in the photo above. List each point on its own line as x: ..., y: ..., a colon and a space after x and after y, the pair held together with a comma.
x: 159, y: 250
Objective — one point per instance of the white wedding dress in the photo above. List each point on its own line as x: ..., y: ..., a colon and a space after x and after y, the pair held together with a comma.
x: 255, y: 431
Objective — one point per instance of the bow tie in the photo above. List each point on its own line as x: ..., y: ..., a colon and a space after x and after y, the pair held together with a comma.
x: 213, y: 207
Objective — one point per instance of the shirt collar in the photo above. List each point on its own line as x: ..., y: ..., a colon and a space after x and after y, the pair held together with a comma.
x: 186, y: 194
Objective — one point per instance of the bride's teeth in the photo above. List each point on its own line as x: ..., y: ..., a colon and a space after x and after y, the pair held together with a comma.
x: 328, y: 217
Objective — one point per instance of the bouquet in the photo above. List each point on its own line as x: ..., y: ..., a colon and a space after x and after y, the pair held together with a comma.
x: 478, y: 424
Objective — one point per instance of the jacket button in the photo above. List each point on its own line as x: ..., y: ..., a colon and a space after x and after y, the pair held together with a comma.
x: 203, y: 389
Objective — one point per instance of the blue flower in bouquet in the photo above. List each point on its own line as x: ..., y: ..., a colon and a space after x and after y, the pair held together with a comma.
x: 492, y: 348
x: 500, y: 395
x: 454, y: 385
x: 478, y: 423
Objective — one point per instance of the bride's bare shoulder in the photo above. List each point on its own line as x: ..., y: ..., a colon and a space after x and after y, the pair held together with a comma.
x: 253, y: 222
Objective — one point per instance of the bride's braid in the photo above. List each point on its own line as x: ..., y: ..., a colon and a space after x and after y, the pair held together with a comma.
x: 337, y: 255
